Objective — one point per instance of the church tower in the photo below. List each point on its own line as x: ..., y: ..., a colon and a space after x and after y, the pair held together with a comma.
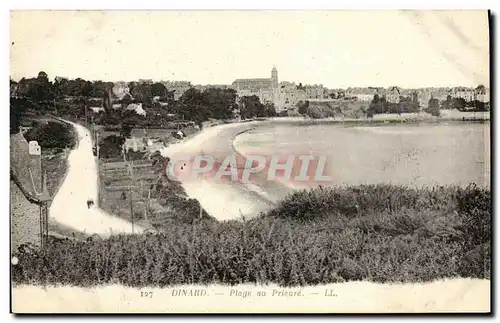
x: 274, y: 77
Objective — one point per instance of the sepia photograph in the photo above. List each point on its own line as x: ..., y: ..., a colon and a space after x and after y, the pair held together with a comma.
x: 265, y: 161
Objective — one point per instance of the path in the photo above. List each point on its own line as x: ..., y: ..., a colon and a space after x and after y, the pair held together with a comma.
x: 69, y: 206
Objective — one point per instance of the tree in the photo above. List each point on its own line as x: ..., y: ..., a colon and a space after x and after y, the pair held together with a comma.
x: 52, y: 135
x: 303, y: 107
x: 369, y: 113
x: 42, y: 77
x: 141, y: 92
x: 126, y: 100
x: 433, y: 108
x: 192, y: 107
x: 106, y: 100
x: 17, y: 107
x: 111, y: 147
x: 219, y: 103
x: 39, y: 89
x: 459, y: 104
x: 125, y: 130
x: 447, y: 104
x: 250, y: 107
x: 60, y: 87
x: 378, y: 105
x: 99, y: 88
x: 158, y: 89
x: 270, y: 109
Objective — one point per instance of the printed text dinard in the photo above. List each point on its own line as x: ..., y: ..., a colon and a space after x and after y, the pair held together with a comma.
x: 247, y: 293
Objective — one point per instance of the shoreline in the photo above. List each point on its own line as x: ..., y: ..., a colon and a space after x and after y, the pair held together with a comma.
x: 409, y: 118
x: 226, y: 134
x: 231, y: 201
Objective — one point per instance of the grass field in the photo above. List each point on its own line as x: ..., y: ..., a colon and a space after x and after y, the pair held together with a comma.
x: 380, y: 233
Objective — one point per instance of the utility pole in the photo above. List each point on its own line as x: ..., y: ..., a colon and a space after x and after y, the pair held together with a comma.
x: 147, y: 205
x: 131, y: 208
x: 98, y: 168
x: 92, y: 129
x: 86, y: 123
x: 146, y: 200
x: 131, y: 172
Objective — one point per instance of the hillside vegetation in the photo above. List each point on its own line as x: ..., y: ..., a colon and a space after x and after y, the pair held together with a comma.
x: 379, y: 233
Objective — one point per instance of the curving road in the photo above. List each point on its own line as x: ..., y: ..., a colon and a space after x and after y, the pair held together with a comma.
x: 69, y: 206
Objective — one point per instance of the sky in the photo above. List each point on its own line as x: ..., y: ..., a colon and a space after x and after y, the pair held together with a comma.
x: 338, y: 49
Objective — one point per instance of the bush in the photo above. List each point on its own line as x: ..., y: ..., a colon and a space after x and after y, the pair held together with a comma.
x: 474, y: 211
x: 52, y: 135
x: 355, y: 233
x: 351, y: 201
x: 111, y: 147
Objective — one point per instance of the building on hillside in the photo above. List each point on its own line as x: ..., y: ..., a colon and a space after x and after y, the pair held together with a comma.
x: 179, y: 87
x: 135, y: 144
x: 213, y: 86
x: 337, y: 93
x: 266, y: 89
x: 137, y: 107
x: 120, y: 89
x: 363, y: 94
x: 257, y: 84
x: 316, y: 92
x: 263, y: 95
x: 145, y: 81
x: 393, y: 94
x: 424, y: 96
x: 465, y: 93
x: 287, y: 96
x: 254, y: 85
x: 482, y: 94
x: 96, y: 109
x: 442, y: 94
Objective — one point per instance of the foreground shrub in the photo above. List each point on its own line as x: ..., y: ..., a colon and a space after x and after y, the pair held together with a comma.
x: 474, y: 212
x: 411, y: 240
x: 52, y: 135
x: 352, y: 201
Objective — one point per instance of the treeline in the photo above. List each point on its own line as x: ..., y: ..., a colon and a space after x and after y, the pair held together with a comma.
x: 380, y: 105
x: 462, y: 105
x: 69, y: 98
x: 194, y: 105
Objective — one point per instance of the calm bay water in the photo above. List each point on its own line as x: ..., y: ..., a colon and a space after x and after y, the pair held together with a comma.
x: 416, y: 155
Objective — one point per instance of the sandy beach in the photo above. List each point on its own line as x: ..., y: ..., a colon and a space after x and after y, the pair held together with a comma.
x: 223, y: 200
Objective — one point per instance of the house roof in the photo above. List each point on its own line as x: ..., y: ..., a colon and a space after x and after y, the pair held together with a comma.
x: 252, y: 80
x: 395, y: 89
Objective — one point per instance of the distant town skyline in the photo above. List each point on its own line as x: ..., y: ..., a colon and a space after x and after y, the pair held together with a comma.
x: 338, y: 49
